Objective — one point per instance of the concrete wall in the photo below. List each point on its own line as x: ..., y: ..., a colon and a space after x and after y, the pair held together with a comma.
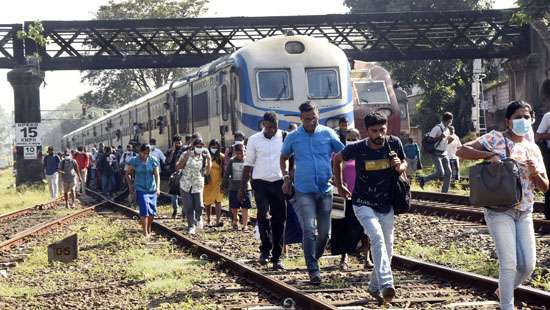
x: 497, y: 97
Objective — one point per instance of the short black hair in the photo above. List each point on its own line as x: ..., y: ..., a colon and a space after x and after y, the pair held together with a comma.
x: 176, y: 138
x: 342, y: 120
x: 80, y: 148
x: 375, y: 118
x: 145, y: 147
x: 197, y: 141
x: 188, y: 138
x: 152, y: 141
x: 238, y: 147
x: 214, y: 142
x: 447, y: 116
x: 270, y: 117
x: 307, y: 107
x: 516, y: 105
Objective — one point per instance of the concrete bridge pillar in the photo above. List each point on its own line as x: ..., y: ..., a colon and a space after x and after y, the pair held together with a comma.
x: 26, y: 81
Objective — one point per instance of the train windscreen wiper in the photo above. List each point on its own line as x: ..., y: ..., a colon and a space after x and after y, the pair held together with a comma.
x: 283, y: 90
x: 329, y: 84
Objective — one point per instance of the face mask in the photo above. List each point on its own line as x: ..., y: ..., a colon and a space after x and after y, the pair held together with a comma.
x: 213, y: 150
x: 199, y: 150
x: 239, y: 142
x: 520, y: 127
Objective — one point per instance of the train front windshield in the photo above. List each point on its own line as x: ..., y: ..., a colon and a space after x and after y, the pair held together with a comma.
x: 372, y: 92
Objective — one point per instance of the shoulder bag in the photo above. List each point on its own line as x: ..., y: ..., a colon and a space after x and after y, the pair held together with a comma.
x: 496, y: 186
x: 400, y: 189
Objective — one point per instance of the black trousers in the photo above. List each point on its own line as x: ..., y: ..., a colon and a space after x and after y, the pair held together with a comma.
x: 270, y: 200
x: 546, y: 157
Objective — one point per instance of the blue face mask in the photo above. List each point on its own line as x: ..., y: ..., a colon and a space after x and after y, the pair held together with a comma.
x: 520, y: 127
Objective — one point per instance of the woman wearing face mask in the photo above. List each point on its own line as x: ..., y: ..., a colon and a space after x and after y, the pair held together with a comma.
x: 512, y: 230
x: 196, y: 164
x: 347, y: 232
x: 212, y: 190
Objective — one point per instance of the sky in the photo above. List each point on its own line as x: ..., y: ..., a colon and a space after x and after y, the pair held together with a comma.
x: 63, y: 86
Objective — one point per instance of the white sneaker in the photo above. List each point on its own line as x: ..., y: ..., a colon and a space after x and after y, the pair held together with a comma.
x: 200, y: 224
x: 191, y: 230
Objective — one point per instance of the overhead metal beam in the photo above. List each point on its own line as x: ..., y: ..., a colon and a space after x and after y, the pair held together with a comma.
x: 190, y: 42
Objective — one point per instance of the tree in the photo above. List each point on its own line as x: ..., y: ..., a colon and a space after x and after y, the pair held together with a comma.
x: 446, y: 83
x: 116, y: 87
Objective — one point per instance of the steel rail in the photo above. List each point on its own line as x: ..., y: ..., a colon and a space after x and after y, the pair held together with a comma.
x: 280, y: 288
x: 18, y: 213
x: 525, y: 294
x: 458, y: 199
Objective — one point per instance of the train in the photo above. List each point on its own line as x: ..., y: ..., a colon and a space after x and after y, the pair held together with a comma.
x: 232, y: 93
x: 374, y: 91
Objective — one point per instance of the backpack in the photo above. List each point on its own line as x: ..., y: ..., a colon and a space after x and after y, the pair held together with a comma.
x: 400, y: 190
x: 174, y: 182
x: 429, y: 144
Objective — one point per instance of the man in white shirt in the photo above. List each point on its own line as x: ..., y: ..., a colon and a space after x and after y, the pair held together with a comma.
x: 543, y: 139
x: 441, y: 134
x: 262, y: 159
x: 452, y: 147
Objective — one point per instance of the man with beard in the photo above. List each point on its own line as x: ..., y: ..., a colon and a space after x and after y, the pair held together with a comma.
x: 172, y: 159
x: 377, y: 159
x: 312, y: 145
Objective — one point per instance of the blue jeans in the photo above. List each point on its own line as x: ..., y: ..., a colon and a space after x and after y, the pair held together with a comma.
x: 514, y: 238
x: 442, y: 171
x: 106, y: 184
x: 193, y: 207
x: 379, y: 228
x: 314, y: 210
x: 175, y: 203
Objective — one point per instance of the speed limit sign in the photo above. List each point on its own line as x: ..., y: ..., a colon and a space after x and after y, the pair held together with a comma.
x: 30, y: 152
x: 28, y: 134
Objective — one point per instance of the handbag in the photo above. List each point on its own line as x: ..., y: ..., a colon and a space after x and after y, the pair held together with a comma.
x: 400, y: 189
x: 496, y: 186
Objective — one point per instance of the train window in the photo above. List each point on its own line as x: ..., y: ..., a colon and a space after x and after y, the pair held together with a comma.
x: 274, y: 84
x: 200, y: 109
x: 225, y: 103
x: 372, y: 92
x: 322, y: 83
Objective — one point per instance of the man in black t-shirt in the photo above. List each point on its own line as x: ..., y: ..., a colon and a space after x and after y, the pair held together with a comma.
x: 378, y: 159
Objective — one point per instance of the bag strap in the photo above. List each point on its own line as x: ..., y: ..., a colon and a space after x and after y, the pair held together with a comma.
x: 506, y: 144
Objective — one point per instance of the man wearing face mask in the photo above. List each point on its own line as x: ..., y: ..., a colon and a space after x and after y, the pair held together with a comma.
x: 543, y: 138
x: 377, y: 159
x: 312, y: 145
x: 263, y: 151
x: 441, y: 134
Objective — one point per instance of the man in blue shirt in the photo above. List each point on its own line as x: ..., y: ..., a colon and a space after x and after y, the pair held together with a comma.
x: 312, y: 146
x: 50, y: 165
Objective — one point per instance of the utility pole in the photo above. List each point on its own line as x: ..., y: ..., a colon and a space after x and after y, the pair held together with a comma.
x: 26, y: 81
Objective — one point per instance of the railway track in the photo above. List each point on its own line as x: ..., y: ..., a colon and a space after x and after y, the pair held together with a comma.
x: 417, y: 285
x: 457, y: 206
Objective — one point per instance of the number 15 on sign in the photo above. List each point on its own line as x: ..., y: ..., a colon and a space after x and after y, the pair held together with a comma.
x: 27, y: 134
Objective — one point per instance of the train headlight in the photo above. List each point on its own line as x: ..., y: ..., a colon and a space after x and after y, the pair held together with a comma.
x: 385, y: 111
x: 294, y: 47
x: 332, y: 122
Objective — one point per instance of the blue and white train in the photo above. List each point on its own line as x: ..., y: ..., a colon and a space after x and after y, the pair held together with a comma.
x: 232, y: 93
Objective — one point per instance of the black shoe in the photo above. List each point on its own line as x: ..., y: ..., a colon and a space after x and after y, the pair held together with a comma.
x: 264, y: 259
x: 421, y: 182
x: 174, y: 214
x: 315, y: 280
x: 278, y: 265
x: 377, y: 296
x: 388, y: 293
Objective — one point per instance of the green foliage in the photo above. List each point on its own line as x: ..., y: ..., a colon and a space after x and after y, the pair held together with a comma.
x: 35, y: 33
x: 372, y: 6
x: 114, y: 88
x: 531, y: 9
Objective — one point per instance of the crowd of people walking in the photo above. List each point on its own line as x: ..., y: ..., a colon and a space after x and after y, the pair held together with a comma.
x: 291, y: 177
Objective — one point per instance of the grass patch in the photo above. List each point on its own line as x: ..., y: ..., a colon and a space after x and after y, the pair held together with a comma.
x: 8, y: 290
x: 468, y: 260
x: 24, y: 196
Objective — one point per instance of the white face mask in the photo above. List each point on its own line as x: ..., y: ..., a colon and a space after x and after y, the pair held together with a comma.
x: 213, y: 150
x: 199, y: 150
x: 520, y: 127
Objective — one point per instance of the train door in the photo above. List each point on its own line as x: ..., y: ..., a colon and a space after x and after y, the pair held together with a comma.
x: 234, y: 102
x: 149, y: 120
x: 183, y: 114
x: 171, y: 101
